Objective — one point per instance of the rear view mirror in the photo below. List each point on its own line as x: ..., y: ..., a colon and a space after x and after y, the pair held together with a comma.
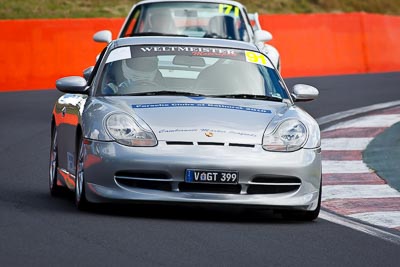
x: 186, y: 13
x: 87, y: 72
x: 103, y: 36
x: 304, y: 92
x: 189, y: 61
x: 262, y: 36
x: 72, y: 84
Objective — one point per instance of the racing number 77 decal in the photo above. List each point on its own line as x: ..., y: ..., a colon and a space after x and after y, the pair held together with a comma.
x: 226, y: 9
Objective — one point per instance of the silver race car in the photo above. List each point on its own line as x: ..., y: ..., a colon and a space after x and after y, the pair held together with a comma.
x: 222, y: 19
x: 186, y: 120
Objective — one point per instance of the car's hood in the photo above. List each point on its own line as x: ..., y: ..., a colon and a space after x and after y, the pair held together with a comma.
x: 198, y: 119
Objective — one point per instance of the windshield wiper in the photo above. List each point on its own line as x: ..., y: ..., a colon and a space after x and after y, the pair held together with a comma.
x: 157, y: 34
x: 164, y: 92
x: 250, y: 96
x: 215, y: 36
x: 179, y: 93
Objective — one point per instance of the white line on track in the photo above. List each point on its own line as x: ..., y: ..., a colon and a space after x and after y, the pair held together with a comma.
x: 345, y: 143
x: 386, y: 219
x: 343, y: 166
x: 347, y: 222
x: 379, y: 233
x: 385, y: 120
x: 357, y: 111
x: 358, y: 191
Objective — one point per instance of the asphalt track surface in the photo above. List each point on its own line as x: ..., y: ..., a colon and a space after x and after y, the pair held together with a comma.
x: 37, y: 230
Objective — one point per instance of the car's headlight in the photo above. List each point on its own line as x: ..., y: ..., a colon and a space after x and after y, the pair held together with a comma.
x: 290, y: 135
x: 127, y: 131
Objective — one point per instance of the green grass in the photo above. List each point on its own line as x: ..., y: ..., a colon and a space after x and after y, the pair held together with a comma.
x: 28, y: 9
x: 383, y: 153
x: 324, y: 6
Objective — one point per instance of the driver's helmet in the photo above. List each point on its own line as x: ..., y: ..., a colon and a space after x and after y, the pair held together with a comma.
x: 161, y: 22
x: 140, y: 68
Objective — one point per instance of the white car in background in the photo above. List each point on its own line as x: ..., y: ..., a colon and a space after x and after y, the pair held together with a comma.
x: 208, y: 19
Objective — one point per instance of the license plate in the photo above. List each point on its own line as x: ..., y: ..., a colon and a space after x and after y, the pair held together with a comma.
x: 211, y: 176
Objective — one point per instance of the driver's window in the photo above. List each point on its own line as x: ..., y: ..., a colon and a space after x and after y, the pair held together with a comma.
x: 131, y: 26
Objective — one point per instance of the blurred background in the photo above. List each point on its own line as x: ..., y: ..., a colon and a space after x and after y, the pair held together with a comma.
x: 23, y: 9
x: 45, y: 40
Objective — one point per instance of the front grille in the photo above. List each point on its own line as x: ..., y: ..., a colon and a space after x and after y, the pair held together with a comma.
x: 241, y: 145
x: 145, y: 184
x: 179, y: 143
x: 163, y: 182
x: 186, y: 143
x: 210, y: 188
x: 273, y: 184
x: 270, y: 189
x: 142, y: 175
x: 276, y: 180
x: 210, y: 144
x: 146, y: 180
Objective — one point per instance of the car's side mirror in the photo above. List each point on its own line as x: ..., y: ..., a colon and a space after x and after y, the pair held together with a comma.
x: 262, y: 36
x: 304, y: 92
x: 88, y: 72
x: 72, y: 84
x: 103, y: 36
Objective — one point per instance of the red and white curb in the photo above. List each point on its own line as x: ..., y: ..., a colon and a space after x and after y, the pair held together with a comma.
x: 350, y: 188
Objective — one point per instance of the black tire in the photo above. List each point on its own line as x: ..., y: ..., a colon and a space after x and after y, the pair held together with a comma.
x: 304, y: 215
x: 81, y: 201
x: 54, y: 188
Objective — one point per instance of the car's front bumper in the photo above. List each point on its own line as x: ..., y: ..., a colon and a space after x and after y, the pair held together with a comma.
x: 108, y: 162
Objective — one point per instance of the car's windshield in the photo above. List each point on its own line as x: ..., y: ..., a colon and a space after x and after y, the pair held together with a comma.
x: 196, y: 70
x: 191, y: 19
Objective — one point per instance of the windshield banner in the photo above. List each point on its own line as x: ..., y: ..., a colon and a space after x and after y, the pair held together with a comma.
x: 143, y: 51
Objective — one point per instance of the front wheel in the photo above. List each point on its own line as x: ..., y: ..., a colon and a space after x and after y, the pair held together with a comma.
x: 80, y: 195
x: 55, y: 189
